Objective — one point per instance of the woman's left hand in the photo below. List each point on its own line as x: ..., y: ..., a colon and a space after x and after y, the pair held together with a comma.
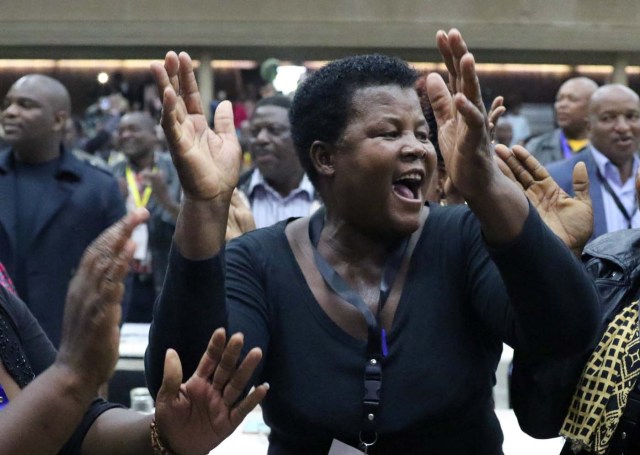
x: 196, y: 416
x: 465, y: 142
x: 463, y: 125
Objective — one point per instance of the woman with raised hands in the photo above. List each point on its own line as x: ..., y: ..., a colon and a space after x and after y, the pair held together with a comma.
x: 381, y: 317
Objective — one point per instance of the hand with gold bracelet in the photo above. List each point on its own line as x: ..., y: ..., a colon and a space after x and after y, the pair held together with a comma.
x: 191, y: 418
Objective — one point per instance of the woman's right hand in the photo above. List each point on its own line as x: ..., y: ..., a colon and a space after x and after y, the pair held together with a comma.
x: 207, y: 161
x: 196, y: 416
x: 92, y: 313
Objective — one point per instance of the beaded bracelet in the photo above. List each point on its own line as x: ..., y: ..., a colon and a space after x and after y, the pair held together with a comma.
x: 156, y: 442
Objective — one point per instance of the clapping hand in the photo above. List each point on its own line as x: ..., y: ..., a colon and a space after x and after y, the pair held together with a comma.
x: 465, y: 142
x: 90, y: 330
x: 196, y: 416
x: 240, y: 217
x: 463, y: 125
x: 569, y: 218
x: 157, y: 180
x: 497, y: 109
x: 207, y: 161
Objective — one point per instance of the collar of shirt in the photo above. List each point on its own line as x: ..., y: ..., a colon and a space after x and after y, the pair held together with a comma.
x: 258, y: 181
x: 609, y: 170
x: 626, y: 193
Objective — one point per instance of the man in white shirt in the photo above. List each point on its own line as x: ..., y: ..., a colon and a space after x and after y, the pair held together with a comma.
x: 611, y: 160
x: 277, y: 187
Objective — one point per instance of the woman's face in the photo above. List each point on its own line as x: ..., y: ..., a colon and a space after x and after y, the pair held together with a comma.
x: 384, y: 161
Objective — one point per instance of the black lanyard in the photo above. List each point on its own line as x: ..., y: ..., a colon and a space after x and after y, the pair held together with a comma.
x: 617, y: 200
x: 377, y: 337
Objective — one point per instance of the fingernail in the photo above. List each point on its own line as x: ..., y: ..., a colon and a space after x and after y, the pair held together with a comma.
x: 266, y: 385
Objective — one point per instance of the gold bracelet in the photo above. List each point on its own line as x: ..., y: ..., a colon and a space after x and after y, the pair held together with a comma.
x: 156, y: 441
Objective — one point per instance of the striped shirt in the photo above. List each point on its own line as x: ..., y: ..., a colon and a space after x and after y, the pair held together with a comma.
x: 269, y: 207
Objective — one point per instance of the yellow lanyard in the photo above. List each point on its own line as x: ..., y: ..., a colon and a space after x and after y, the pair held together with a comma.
x: 140, y: 201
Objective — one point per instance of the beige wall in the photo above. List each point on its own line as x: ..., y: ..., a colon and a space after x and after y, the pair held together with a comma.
x: 567, y: 31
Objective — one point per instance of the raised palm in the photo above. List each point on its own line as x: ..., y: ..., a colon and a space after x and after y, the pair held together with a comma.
x: 463, y: 126
x: 208, y: 161
x: 570, y: 218
x: 198, y: 415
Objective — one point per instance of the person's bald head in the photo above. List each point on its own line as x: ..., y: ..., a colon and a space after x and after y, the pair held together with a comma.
x: 47, y: 89
x: 34, y: 115
x: 571, y: 106
x: 614, y: 119
x: 611, y: 92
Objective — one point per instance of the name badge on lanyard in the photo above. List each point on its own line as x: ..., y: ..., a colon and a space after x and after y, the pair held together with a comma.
x: 140, y: 236
x: 340, y: 448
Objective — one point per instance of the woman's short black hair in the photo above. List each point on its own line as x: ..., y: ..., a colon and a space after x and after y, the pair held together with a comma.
x: 322, y: 104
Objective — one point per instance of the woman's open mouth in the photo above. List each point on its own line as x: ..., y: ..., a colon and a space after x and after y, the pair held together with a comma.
x: 408, y: 186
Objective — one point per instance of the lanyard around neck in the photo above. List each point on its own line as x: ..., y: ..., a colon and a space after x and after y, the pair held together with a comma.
x: 377, y: 342
x: 140, y: 201
x: 616, y: 199
x: 4, y: 399
x: 564, y: 143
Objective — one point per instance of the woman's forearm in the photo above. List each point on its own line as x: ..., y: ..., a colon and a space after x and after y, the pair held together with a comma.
x: 119, y: 431
x: 201, y: 227
x: 45, y: 414
x: 553, y: 299
x: 502, y: 211
x: 190, y: 307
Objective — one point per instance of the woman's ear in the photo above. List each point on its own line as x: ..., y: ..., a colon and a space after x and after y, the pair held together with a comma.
x: 322, y: 156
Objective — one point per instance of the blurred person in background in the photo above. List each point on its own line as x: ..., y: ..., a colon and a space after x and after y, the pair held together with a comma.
x: 572, y: 118
x: 519, y: 123
x: 148, y: 179
x: 277, y: 187
x: 503, y: 132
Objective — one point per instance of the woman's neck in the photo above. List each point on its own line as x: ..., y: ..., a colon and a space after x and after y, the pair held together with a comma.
x: 345, y: 244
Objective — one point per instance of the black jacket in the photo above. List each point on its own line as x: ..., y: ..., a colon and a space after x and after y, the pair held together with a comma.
x: 613, y: 261
x: 81, y: 201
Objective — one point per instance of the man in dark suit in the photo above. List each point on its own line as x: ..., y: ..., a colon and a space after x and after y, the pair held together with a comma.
x: 52, y: 205
x: 571, y: 114
x: 611, y: 161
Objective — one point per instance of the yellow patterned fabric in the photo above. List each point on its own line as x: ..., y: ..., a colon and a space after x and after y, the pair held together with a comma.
x: 601, y: 395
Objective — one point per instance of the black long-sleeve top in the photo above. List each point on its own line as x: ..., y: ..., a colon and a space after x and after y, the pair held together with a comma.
x: 461, y: 300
